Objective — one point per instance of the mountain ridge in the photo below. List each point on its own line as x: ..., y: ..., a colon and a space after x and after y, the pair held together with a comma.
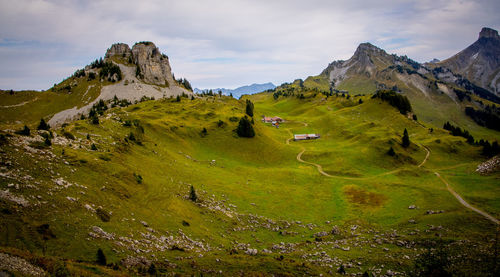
x: 239, y: 91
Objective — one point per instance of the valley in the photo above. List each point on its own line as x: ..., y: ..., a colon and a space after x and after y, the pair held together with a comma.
x: 139, y: 175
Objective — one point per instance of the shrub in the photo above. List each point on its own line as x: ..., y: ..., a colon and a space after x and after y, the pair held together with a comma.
x: 391, y: 152
x: 68, y: 135
x: 138, y: 178
x: 25, y: 131
x: 43, y: 125
x: 93, y: 147
x: 245, y: 128
x: 47, y: 141
x: 101, y: 258
x: 233, y: 119
x: 220, y: 123
x: 204, y: 132
x: 103, y: 215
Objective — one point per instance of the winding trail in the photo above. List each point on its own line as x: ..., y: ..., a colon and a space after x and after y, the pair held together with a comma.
x: 450, y: 189
x: 463, y: 202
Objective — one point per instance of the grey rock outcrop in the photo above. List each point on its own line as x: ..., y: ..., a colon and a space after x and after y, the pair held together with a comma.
x: 118, y: 49
x: 154, y: 67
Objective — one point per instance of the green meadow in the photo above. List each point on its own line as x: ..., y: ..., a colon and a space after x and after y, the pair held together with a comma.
x: 253, y: 193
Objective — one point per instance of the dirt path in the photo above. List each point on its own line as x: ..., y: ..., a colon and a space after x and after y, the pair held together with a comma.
x: 20, y: 104
x: 426, y: 156
x: 450, y: 189
x: 467, y: 205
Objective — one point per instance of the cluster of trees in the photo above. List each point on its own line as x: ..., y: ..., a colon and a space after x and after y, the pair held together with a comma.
x: 96, y: 110
x: 79, y: 73
x: 489, y: 149
x: 185, y: 83
x: 97, y: 63
x: 458, y: 132
x: 462, y: 95
x: 489, y: 117
x: 109, y: 70
x: 399, y: 101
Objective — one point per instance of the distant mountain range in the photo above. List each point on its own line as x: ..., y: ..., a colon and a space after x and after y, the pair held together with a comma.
x: 238, y: 92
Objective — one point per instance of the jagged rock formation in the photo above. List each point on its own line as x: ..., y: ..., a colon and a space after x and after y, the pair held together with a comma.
x: 153, y: 66
x: 480, y: 62
x: 145, y: 72
x: 490, y: 166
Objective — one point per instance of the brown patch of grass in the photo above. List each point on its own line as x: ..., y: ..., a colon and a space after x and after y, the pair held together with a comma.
x: 365, y: 198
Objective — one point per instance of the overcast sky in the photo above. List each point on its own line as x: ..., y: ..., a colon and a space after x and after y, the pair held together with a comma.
x: 229, y: 43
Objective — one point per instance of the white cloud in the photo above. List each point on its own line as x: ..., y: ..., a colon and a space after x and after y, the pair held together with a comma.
x: 228, y: 43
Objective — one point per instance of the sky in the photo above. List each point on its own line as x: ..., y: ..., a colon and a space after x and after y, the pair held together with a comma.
x: 229, y: 43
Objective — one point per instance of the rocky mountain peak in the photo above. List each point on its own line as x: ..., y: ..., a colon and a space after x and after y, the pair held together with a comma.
x: 488, y: 33
x: 118, y: 49
x: 367, y: 48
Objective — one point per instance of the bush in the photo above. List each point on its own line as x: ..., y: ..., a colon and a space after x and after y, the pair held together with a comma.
x: 68, y: 135
x: 245, y: 128
x: 233, y: 119
x: 43, y: 125
x: 93, y: 147
x: 204, y: 132
x: 138, y: 178
x: 103, y: 215
x: 391, y: 152
x: 220, y: 123
x: 25, y: 131
x: 101, y: 258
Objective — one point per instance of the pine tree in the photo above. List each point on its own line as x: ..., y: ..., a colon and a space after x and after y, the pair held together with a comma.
x: 391, y: 152
x: 249, y: 108
x: 406, y: 139
x: 245, y: 128
x: 43, y: 125
x: 25, y: 131
x: 192, y: 194
x: 101, y: 258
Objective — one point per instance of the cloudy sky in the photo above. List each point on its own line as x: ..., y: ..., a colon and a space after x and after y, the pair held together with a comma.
x: 229, y: 43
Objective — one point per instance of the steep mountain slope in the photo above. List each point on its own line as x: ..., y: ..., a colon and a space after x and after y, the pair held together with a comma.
x: 480, y: 62
x: 143, y: 71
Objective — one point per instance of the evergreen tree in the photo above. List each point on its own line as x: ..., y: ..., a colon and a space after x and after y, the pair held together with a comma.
x: 192, y: 194
x: 178, y: 98
x: 101, y: 258
x: 47, y: 141
x: 152, y: 269
x: 43, y: 125
x: 249, y: 108
x: 406, y: 139
x: 93, y: 147
x: 391, y: 152
x: 245, y: 128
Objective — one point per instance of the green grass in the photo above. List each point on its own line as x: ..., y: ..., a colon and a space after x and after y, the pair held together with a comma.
x: 260, y: 176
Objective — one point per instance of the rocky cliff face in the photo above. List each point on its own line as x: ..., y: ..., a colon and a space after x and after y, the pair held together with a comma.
x: 154, y: 67
x: 480, y: 62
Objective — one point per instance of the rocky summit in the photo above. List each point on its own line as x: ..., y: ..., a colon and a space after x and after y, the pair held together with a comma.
x: 480, y: 62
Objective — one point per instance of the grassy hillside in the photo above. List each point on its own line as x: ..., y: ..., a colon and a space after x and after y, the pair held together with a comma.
x: 130, y: 195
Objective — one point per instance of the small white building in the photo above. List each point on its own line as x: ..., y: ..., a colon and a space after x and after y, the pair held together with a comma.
x: 306, y: 136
